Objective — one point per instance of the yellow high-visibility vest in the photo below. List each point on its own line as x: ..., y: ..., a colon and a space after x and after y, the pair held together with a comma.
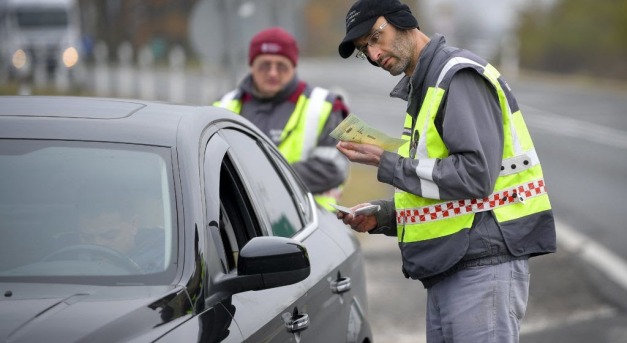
x: 519, y: 190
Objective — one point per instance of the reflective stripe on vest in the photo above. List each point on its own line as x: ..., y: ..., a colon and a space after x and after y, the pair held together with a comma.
x: 313, y: 125
x: 520, y: 167
x: 300, y: 135
x: 460, y: 207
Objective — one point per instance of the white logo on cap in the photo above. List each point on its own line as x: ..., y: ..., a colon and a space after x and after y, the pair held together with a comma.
x: 270, y: 48
x: 351, y: 16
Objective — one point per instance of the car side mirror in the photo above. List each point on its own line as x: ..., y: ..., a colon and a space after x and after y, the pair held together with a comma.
x: 267, y: 262
x: 280, y: 261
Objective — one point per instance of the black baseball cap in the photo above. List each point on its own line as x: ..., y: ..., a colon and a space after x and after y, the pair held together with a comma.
x: 364, y: 13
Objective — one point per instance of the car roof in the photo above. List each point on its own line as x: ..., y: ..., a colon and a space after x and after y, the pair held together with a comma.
x: 104, y: 119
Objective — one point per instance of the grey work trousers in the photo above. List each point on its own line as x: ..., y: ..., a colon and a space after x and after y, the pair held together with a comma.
x: 479, y: 304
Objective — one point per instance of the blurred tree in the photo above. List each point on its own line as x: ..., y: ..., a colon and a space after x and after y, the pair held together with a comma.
x: 325, y: 26
x: 141, y: 22
x: 576, y: 36
x: 162, y: 24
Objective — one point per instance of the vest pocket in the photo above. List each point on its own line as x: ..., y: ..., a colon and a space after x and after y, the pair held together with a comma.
x: 431, y: 257
x: 478, y: 238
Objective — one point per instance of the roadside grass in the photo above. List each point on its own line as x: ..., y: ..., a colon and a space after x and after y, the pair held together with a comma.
x: 362, y: 186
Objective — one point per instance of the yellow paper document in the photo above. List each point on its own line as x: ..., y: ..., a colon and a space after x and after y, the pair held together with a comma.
x: 353, y: 129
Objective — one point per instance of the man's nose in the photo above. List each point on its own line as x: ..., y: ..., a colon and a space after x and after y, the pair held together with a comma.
x: 373, y: 52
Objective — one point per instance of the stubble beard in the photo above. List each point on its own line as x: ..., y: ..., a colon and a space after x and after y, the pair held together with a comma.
x: 403, y: 48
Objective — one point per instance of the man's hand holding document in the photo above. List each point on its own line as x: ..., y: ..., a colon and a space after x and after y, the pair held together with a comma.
x: 353, y: 129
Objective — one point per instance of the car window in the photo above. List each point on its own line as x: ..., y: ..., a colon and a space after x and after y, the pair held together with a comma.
x: 229, y: 213
x: 278, y: 209
x: 238, y: 224
x: 300, y: 192
x: 78, y: 209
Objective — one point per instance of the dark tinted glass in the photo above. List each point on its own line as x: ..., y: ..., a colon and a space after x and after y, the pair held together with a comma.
x: 300, y: 191
x: 269, y: 189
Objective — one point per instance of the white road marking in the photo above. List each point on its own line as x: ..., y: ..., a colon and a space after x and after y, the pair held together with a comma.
x: 595, y: 254
x: 545, y: 323
x: 566, y: 126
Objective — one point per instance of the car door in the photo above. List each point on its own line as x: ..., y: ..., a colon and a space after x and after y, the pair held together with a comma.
x: 281, y: 206
x: 232, y: 223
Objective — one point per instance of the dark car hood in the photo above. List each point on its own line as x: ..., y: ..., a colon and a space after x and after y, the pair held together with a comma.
x: 83, y: 313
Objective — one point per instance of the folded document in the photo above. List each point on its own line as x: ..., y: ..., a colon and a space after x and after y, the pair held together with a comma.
x: 353, y: 129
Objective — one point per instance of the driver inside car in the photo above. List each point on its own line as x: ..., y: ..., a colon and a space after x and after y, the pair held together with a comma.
x: 115, y: 230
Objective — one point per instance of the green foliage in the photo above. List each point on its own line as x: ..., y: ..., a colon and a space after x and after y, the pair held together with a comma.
x: 576, y: 36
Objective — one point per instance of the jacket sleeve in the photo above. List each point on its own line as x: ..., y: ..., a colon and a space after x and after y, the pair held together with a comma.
x: 472, y: 131
x: 386, y: 218
x: 326, y: 168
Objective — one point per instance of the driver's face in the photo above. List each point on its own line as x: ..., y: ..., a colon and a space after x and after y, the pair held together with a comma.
x: 109, y: 230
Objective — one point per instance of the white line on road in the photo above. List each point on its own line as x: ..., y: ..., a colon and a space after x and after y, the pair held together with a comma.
x: 599, y: 257
x: 566, y: 126
x: 595, y: 254
x: 546, y: 323
x: 568, y: 239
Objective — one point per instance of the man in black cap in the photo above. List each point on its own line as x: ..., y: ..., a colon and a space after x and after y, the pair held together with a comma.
x: 470, y: 205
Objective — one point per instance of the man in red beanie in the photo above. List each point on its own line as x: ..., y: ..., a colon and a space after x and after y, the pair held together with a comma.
x: 295, y: 115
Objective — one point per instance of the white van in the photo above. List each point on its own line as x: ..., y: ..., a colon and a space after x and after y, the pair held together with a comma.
x: 42, y: 34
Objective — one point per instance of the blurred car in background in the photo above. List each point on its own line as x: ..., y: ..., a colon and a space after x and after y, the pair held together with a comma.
x: 44, y: 34
x: 125, y: 220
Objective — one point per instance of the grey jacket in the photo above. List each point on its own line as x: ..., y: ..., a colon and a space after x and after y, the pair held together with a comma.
x: 470, y: 125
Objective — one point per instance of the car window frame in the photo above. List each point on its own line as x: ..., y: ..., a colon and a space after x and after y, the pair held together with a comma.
x: 225, y: 236
x: 308, y: 211
x: 273, y: 160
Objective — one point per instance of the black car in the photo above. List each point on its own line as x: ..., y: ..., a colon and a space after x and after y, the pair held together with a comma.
x: 124, y: 220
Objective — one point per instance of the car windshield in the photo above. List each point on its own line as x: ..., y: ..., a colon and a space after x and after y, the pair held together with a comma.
x: 80, y: 210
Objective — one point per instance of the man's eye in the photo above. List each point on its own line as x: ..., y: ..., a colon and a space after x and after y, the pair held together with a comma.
x: 374, y: 38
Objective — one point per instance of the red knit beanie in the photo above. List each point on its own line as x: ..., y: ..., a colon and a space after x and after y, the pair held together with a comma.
x: 275, y: 41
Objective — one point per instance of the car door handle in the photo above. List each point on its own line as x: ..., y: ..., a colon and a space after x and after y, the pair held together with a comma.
x: 295, y: 322
x: 341, y: 285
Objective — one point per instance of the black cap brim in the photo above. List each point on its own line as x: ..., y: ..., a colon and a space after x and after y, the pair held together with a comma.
x: 347, y: 47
